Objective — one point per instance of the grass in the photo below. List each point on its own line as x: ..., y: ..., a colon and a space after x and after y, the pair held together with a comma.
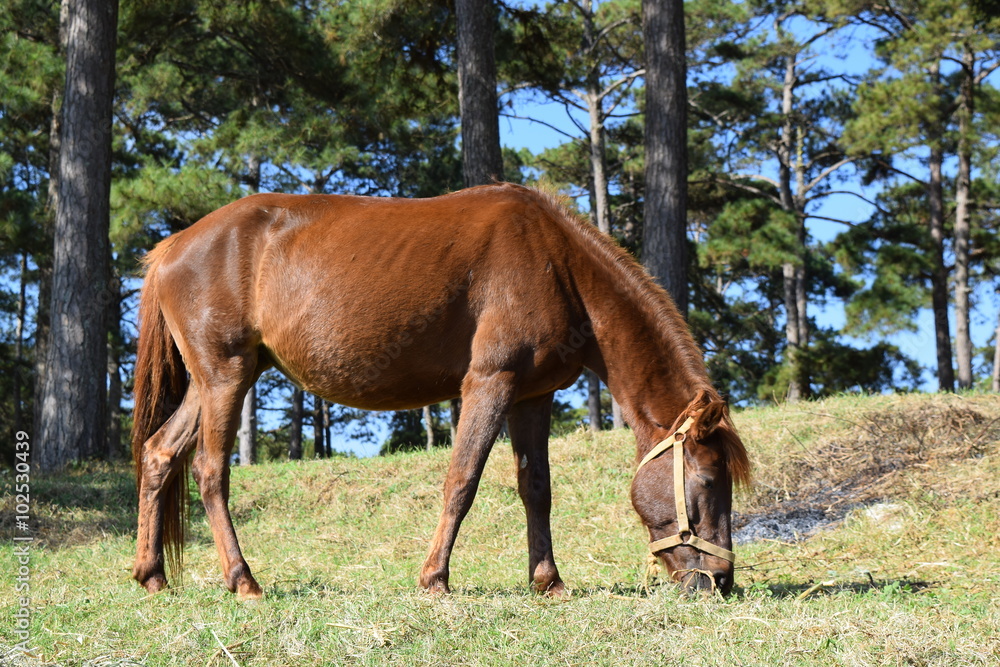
x: 907, y: 573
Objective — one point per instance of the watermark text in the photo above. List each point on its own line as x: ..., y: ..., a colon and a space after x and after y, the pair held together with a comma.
x: 22, y: 541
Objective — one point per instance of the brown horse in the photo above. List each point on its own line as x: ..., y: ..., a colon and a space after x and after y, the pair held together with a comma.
x: 495, y: 294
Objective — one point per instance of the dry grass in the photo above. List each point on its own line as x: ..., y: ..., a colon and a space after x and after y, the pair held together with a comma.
x: 835, y: 460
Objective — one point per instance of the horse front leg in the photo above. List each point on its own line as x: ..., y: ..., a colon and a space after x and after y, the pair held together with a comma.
x: 485, y: 401
x: 529, y: 423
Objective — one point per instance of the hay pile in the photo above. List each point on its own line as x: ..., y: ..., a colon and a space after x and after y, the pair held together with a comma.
x: 871, y: 458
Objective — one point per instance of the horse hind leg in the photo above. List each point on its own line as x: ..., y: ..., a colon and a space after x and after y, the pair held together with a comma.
x: 162, y: 464
x: 221, y: 405
x: 528, y: 423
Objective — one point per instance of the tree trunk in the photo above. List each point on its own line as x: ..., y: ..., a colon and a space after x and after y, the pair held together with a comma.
x: 793, y: 274
x: 963, y: 184
x: 482, y: 157
x: 22, y: 303
x: 319, y: 407
x: 617, y: 421
x: 113, y: 446
x: 429, y: 426
x: 247, y: 434
x: 996, y: 361
x: 594, y: 400
x: 248, y: 428
x: 665, y: 206
x: 295, y: 429
x: 598, y: 163
x: 74, y: 391
x: 939, y: 274
x: 801, y: 284
x: 327, y: 436
x: 456, y: 413
x: 600, y: 206
x: 792, y: 343
x: 598, y: 182
x: 44, y: 260
x: 482, y: 160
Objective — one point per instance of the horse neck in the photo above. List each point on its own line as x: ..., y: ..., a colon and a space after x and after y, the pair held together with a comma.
x: 645, y: 355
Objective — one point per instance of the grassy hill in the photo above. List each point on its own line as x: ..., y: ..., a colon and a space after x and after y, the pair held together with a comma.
x: 893, y: 557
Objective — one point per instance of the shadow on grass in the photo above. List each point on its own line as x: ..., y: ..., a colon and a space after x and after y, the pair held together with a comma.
x: 871, y: 587
x: 778, y: 591
x: 83, y: 503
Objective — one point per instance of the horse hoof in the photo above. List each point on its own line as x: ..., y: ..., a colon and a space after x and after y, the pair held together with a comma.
x: 155, y: 583
x: 248, y: 591
x: 436, y: 588
x: 556, y: 590
x: 551, y: 589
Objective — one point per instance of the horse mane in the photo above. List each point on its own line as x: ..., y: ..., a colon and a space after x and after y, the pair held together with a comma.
x: 660, y: 312
x: 633, y: 279
x: 737, y: 458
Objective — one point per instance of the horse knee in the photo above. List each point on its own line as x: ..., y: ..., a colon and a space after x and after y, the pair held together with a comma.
x: 156, y: 474
x: 207, y: 474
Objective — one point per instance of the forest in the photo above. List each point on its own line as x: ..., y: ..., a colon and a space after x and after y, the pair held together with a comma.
x: 842, y: 157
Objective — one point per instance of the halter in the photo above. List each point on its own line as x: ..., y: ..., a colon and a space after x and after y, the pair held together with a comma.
x: 683, y: 526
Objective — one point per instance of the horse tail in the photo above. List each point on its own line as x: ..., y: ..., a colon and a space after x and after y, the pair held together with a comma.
x: 160, y: 382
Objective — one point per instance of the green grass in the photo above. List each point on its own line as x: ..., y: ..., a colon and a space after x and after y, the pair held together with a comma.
x: 909, y: 575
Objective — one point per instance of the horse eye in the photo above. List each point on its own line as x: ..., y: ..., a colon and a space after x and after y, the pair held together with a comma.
x: 706, y: 482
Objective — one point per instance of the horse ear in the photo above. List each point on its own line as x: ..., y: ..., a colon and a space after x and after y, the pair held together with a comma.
x: 713, y: 413
x: 714, y: 416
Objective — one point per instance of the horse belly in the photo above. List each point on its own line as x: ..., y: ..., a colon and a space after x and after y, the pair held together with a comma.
x: 358, y: 343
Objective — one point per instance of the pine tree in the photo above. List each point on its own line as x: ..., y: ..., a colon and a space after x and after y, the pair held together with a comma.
x: 72, y: 403
x: 798, y: 130
x: 915, y: 107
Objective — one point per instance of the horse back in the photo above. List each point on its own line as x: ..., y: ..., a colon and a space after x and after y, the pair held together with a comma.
x: 377, y: 302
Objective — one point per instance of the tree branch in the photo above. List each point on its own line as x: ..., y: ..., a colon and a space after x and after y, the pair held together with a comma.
x: 306, y: 185
x: 985, y: 72
x: 821, y: 156
x: 891, y: 11
x: 837, y: 220
x: 583, y: 130
x: 826, y: 172
x: 749, y: 188
x: 759, y: 177
x: 627, y: 79
x: 900, y: 172
x: 716, y: 119
x: 874, y: 24
x: 608, y: 29
x: 541, y: 122
x: 848, y: 192
x: 822, y: 33
x: 820, y: 79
